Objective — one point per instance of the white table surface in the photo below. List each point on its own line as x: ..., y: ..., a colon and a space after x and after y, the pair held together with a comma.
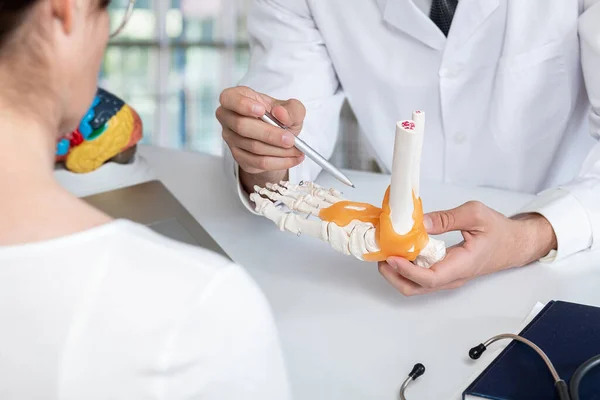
x: 346, y: 333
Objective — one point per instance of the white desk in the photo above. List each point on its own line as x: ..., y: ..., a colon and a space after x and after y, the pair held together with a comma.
x: 346, y: 333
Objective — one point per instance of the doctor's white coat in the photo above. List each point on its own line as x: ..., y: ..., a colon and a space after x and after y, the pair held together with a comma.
x: 507, y: 94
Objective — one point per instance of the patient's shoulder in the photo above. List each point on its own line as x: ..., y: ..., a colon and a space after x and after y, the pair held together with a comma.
x: 142, y: 251
x: 144, y: 237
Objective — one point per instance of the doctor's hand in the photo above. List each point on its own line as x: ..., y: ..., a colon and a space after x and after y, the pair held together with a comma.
x: 492, y: 242
x: 264, y: 153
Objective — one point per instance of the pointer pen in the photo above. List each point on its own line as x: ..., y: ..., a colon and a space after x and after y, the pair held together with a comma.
x: 310, y: 152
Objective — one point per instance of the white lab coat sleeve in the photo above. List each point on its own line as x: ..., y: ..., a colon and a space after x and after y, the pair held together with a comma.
x: 573, y: 209
x: 226, y: 345
x: 289, y: 59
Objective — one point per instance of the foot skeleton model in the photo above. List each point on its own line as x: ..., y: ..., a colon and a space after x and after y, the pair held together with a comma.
x: 367, y: 232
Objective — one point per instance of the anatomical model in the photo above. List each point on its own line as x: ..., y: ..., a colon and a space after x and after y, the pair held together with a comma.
x: 367, y: 232
x: 109, y: 131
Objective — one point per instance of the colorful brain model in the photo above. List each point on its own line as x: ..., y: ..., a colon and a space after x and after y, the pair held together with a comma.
x: 109, y: 131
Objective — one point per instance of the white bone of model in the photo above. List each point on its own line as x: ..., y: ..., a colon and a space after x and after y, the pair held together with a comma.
x: 356, y: 238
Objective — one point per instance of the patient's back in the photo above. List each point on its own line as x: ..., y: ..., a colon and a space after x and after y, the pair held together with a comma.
x: 119, y: 312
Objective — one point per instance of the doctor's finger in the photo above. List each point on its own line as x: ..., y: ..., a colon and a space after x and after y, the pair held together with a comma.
x: 259, y: 148
x: 410, y: 288
x: 244, y: 101
x: 253, y: 128
x: 253, y: 164
x: 450, y: 269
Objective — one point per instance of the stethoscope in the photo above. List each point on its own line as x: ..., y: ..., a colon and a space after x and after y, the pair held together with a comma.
x: 570, y: 392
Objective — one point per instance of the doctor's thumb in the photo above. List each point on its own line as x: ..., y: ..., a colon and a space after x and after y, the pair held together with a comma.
x: 439, y: 222
x: 461, y: 218
x: 290, y: 113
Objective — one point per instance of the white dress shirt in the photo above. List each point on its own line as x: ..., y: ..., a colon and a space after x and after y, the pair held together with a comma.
x: 507, y: 94
x: 120, y: 312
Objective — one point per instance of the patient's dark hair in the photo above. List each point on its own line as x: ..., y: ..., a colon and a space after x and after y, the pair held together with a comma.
x: 12, y: 15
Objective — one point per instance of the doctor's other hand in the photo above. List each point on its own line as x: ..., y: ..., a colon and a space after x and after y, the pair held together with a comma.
x: 492, y: 242
x: 263, y: 152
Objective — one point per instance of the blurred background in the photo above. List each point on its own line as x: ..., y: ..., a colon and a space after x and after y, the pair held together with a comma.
x: 173, y: 60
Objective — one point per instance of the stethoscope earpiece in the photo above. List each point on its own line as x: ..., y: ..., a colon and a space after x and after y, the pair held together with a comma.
x: 477, y: 351
x: 417, y: 371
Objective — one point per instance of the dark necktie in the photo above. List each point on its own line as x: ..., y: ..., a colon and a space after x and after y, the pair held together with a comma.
x: 442, y: 12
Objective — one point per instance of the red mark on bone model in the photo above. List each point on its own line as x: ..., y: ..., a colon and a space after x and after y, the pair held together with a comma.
x: 408, y: 125
x: 418, y: 112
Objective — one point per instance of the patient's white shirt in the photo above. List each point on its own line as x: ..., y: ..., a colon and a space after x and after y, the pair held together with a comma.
x: 120, y: 312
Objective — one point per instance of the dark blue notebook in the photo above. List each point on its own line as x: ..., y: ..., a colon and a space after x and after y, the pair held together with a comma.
x: 568, y: 333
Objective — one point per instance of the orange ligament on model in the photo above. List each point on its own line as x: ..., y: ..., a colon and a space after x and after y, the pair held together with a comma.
x: 408, y: 245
